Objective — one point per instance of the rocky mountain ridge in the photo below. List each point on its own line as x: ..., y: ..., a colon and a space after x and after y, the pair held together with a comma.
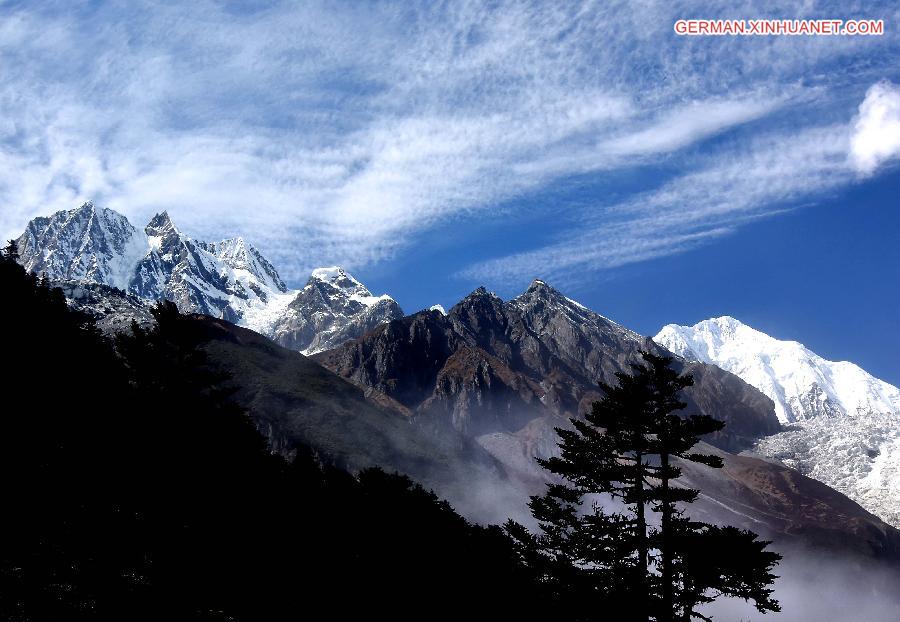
x: 523, y: 367
x: 293, y: 400
x: 93, y: 246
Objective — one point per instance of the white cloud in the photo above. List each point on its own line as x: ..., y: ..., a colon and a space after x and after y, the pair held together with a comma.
x: 687, y: 124
x: 337, y: 133
x: 876, y: 134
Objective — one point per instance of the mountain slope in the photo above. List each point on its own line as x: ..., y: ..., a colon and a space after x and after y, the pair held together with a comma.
x: 137, y: 491
x: 845, y: 423
x: 294, y: 401
x: 784, y: 505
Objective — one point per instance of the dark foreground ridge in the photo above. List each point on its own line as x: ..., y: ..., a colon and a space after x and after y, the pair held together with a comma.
x: 141, y: 491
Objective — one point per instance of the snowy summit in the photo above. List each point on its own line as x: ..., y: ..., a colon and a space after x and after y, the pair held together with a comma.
x: 844, y: 424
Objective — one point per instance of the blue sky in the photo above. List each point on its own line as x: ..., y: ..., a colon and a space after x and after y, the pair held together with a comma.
x: 434, y: 147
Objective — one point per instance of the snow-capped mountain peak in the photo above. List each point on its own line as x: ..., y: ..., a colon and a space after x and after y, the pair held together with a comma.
x: 844, y: 423
x: 162, y: 235
x: 88, y: 243
x: 801, y: 383
x: 339, y: 278
x: 333, y: 307
x: 343, y: 285
x: 94, y: 245
x: 230, y: 279
x: 247, y: 262
x: 335, y: 275
x: 161, y: 224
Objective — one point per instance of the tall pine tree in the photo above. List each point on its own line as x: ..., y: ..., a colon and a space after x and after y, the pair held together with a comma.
x: 626, y: 451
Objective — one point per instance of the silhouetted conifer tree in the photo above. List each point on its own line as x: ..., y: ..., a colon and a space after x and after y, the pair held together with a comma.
x: 11, y: 251
x: 623, y: 450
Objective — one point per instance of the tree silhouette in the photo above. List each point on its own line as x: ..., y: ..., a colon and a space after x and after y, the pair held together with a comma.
x: 626, y: 451
x: 11, y: 251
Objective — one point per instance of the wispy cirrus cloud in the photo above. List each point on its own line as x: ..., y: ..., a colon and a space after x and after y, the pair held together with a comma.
x: 338, y: 133
x: 735, y: 185
x: 687, y: 124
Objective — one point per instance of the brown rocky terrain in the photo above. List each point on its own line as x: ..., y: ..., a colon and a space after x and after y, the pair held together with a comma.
x: 494, y: 366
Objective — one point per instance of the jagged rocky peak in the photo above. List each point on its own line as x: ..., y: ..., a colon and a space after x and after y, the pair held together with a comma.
x: 541, y: 297
x: 480, y: 300
x: 240, y: 255
x: 91, y: 244
x: 339, y: 289
x: 481, y: 312
x: 162, y: 234
x: 541, y: 292
x: 332, y: 308
x: 540, y: 287
x: 540, y: 353
x: 86, y: 210
x: 339, y: 278
x: 86, y: 244
x: 161, y: 225
x: 542, y: 303
x: 229, y: 279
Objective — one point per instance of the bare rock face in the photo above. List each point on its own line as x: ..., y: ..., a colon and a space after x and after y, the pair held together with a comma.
x: 332, y: 308
x: 112, y: 309
x: 477, y: 393
x: 494, y: 366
